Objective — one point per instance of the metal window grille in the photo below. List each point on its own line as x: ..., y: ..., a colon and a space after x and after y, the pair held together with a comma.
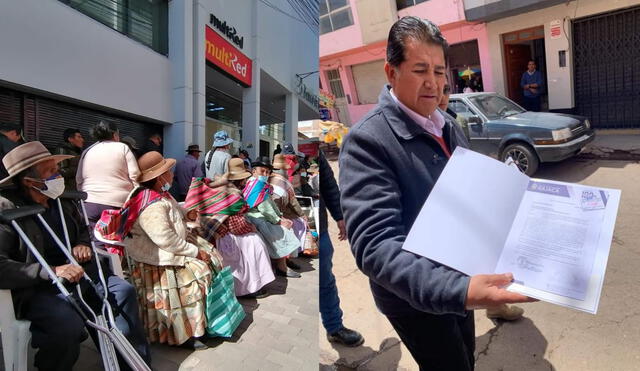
x: 145, y: 21
x: 607, y: 68
x: 335, y: 83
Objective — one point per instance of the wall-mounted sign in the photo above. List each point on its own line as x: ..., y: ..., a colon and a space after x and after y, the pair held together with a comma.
x: 555, y: 29
x: 327, y: 99
x: 227, y: 30
x: 229, y: 59
x: 305, y: 93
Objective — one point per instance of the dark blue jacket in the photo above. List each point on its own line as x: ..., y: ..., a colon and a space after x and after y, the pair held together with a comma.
x: 329, y: 194
x: 535, y: 78
x: 388, y: 166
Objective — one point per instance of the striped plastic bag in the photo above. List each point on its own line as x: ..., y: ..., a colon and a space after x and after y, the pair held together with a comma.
x: 224, y: 312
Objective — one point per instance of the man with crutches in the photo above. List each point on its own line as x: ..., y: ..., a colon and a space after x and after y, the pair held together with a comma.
x: 57, y: 328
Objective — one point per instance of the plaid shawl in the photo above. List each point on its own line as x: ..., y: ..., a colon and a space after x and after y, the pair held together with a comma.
x: 256, y: 191
x: 282, y: 189
x: 115, y: 225
x: 213, y: 201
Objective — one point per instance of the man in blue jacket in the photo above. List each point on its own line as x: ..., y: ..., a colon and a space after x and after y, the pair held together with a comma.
x: 389, y: 163
x: 531, y: 83
x: 329, y: 300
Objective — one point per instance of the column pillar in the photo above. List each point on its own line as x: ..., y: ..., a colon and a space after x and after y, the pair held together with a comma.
x: 291, y: 120
x: 181, y: 57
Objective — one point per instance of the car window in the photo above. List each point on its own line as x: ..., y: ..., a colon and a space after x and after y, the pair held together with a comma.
x: 461, y: 108
x: 495, y: 106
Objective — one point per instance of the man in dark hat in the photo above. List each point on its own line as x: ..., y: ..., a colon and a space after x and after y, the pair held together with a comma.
x: 10, y: 138
x: 186, y: 169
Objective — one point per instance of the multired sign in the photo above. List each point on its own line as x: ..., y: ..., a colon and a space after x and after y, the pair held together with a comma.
x: 224, y: 55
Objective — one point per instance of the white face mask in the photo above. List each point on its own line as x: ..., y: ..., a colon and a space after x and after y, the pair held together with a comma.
x: 53, y: 188
x: 304, y: 175
x: 165, y: 187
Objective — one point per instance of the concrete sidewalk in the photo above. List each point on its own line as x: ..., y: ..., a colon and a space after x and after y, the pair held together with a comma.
x: 280, y: 332
x: 614, y: 145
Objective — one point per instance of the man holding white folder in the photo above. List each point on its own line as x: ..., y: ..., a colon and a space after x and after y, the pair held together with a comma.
x: 389, y: 163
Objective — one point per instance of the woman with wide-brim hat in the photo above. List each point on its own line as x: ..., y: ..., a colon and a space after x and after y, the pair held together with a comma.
x: 275, y: 229
x: 172, y: 271
x: 222, y: 210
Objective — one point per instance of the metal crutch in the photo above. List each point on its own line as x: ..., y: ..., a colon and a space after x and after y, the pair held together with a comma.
x: 109, y: 358
x: 124, y: 347
x: 118, y: 340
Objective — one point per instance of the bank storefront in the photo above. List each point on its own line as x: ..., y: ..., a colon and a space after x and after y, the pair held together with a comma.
x: 247, y: 61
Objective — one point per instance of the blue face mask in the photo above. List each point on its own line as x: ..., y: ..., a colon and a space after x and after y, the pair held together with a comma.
x: 263, y: 178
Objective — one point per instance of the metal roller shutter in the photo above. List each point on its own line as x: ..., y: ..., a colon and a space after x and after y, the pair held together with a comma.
x: 46, y: 119
x: 607, y: 68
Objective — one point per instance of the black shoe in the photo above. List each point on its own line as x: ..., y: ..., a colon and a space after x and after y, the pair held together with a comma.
x: 289, y: 273
x: 262, y: 293
x: 194, y: 344
x: 292, y: 265
x: 346, y: 337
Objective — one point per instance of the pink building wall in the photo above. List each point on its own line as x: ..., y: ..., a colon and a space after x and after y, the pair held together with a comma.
x: 343, y: 48
x: 344, y: 38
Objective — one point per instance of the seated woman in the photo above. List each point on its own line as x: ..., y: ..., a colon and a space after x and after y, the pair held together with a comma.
x: 171, y: 273
x: 264, y: 214
x: 222, y: 212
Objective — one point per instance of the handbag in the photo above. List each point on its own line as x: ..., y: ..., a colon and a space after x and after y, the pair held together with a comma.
x: 224, y: 312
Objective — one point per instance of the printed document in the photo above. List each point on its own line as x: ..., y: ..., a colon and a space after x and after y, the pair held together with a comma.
x: 485, y: 217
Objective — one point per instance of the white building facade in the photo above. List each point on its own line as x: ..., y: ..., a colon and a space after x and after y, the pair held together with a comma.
x: 182, y: 68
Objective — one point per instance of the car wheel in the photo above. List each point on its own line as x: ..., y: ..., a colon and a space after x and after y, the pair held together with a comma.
x: 524, y: 157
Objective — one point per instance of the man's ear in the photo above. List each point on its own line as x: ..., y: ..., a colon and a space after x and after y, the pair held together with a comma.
x: 391, y: 73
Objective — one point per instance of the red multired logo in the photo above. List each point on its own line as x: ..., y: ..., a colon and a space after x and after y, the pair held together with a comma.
x: 224, y: 55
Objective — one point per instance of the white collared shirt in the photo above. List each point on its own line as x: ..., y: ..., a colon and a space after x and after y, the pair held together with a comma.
x: 432, y: 124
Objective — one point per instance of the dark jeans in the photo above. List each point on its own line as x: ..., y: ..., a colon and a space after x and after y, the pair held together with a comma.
x: 438, y: 342
x: 329, y: 300
x: 531, y: 103
x: 57, y: 329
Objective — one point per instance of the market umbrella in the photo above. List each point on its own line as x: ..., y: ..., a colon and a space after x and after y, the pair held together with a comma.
x: 333, y: 131
x: 466, y: 73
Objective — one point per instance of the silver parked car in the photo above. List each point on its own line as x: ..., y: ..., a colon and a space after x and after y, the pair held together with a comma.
x: 498, y: 127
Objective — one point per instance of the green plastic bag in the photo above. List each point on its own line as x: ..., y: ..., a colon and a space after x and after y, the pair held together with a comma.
x: 224, y: 312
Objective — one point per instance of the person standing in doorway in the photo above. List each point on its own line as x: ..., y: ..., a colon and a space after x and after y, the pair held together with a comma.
x: 531, y: 84
x: 217, y: 159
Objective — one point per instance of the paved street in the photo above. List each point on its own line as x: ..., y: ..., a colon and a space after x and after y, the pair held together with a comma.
x: 280, y: 332
x: 549, y: 337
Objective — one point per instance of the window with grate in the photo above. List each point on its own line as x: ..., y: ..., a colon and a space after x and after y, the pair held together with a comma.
x: 334, y: 15
x: 407, y: 3
x: 335, y: 83
x: 145, y: 21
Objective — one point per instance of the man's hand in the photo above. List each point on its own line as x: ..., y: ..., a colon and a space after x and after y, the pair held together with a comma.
x: 486, y: 290
x: 526, y: 87
x: 70, y: 272
x: 82, y: 253
x: 342, y: 234
x: 286, y: 223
